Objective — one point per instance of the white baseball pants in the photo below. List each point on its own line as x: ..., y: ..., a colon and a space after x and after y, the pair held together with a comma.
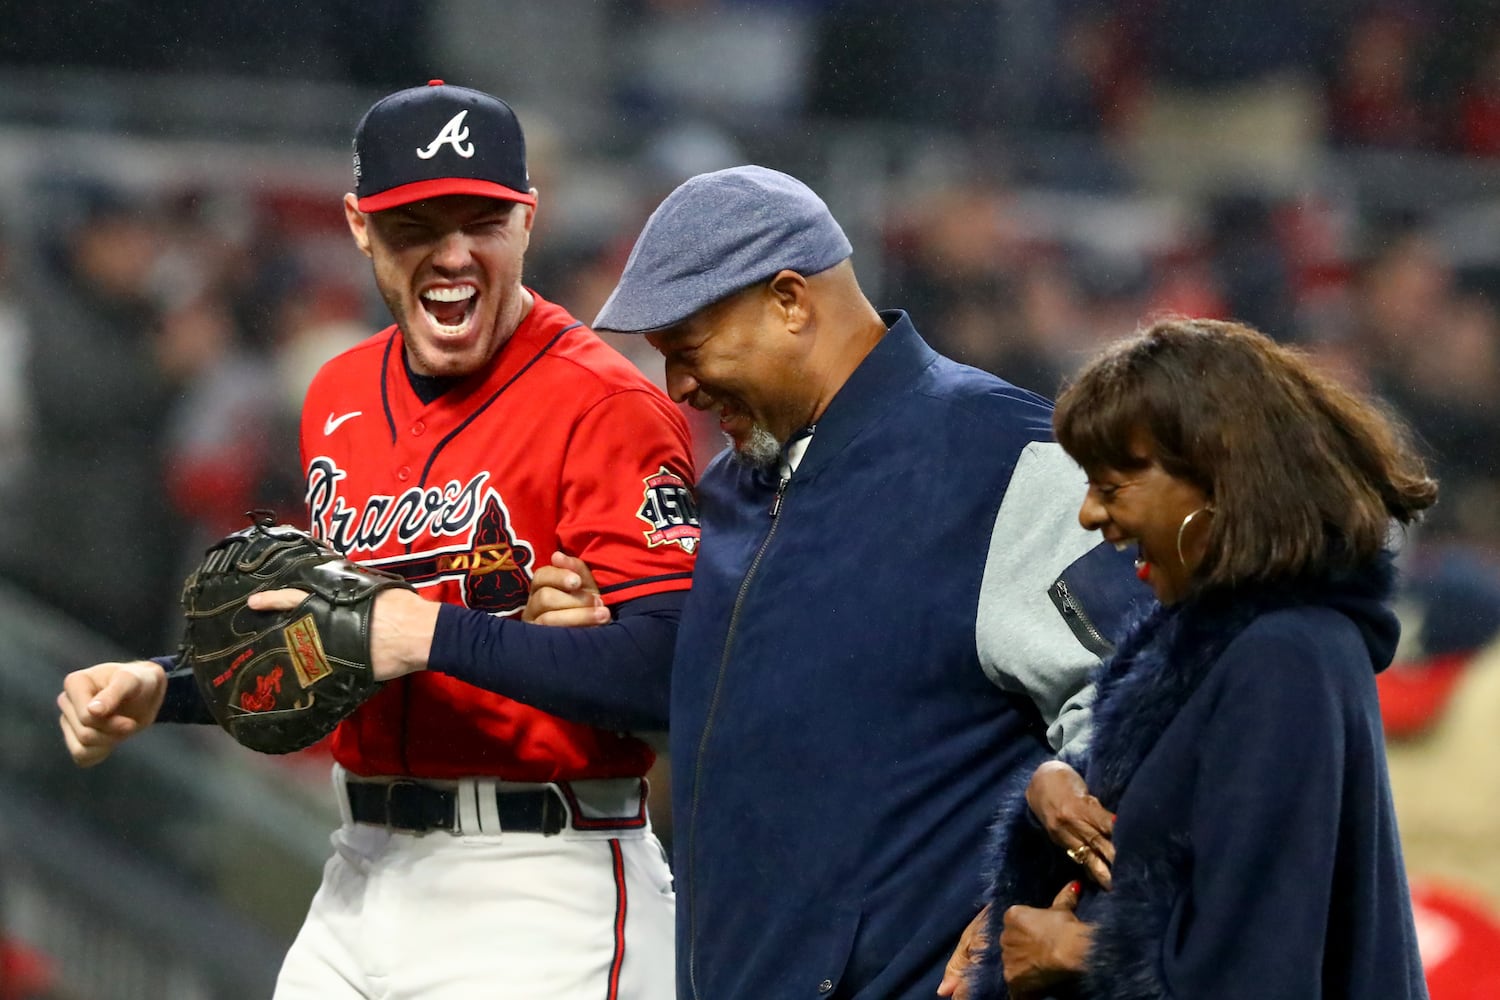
x: 581, y: 915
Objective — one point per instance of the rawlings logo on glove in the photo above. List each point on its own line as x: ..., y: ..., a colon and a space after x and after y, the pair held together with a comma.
x: 280, y: 681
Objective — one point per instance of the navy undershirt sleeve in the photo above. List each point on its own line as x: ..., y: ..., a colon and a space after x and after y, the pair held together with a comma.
x: 183, y: 702
x: 615, y: 676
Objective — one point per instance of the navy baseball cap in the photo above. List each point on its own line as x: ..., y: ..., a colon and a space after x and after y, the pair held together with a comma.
x: 435, y: 140
x: 717, y: 234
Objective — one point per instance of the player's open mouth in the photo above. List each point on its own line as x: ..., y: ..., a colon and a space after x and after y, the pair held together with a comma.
x: 450, y: 308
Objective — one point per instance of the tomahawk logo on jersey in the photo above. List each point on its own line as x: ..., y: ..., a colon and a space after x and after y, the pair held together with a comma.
x: 465, y: 495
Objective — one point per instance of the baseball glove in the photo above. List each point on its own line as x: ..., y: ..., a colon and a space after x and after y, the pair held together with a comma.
x: 279, y: 681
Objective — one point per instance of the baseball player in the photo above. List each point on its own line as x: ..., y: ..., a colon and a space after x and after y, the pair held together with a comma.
x: 495, y: 840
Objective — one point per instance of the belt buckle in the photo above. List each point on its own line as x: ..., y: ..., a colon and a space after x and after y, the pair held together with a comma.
x: 531, y: 810
x: 390, y: 791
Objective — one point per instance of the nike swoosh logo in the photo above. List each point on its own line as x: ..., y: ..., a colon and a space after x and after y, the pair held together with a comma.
x: 332, y: 423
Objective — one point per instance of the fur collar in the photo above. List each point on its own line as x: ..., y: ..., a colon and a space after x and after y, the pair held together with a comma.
x: 1164, y: 658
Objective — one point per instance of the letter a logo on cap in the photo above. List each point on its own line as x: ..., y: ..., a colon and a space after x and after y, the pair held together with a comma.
x: 454, y: 133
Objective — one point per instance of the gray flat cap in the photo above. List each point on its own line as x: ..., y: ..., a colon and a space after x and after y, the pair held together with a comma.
x: 717, y: 234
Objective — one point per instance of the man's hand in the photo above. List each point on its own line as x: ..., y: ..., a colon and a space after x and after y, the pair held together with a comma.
x: 565, y: 594
x: 1040, y: 948
x: 104, y: 705
x: 971, y: 943
x: 1075, y: 820
x: 401, y: 627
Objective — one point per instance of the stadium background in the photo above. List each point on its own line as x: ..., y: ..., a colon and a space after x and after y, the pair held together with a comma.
x: 1029, y: 177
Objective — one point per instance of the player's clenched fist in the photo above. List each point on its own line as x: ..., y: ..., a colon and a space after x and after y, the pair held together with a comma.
x: 107, y: 703
x: 565, y: 594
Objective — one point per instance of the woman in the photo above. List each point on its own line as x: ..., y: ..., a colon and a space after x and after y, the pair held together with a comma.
x: 1237, y: 737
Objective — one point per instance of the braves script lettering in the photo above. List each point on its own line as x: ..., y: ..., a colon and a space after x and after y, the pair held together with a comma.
x: 438, y: 511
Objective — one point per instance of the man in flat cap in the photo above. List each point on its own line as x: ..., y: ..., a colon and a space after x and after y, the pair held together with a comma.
x: 893, y: 616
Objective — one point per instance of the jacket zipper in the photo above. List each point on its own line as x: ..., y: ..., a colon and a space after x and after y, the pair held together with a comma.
x: 780, y: 493
x: 708, y: 725
x: 1078, y: 620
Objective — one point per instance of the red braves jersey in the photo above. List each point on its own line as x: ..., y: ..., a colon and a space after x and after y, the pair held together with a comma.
x: 561, y: 444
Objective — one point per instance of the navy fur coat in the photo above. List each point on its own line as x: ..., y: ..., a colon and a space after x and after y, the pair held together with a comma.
x: 1238, y: 739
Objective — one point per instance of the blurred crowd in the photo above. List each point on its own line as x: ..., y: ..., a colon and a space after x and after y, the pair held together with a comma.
x: 1409, y: 74
x: 161, y: 345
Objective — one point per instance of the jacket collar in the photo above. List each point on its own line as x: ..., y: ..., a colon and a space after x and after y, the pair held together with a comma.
x: 890, y: 369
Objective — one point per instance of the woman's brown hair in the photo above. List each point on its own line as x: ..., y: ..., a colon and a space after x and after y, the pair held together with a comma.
x: 1303, y: 474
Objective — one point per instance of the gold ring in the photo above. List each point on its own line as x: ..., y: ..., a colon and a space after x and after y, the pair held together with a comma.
x: 1080, y: 855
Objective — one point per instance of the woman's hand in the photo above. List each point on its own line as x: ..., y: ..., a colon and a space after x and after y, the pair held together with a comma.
x: 1040, y: 948
x: 1075, y: 820
x: 955, y: 982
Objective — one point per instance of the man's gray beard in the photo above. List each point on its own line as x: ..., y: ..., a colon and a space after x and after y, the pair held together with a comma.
x: 761, y: 450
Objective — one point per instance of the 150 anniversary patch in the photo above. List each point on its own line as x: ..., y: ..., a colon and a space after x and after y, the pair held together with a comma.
x: 670, y: 510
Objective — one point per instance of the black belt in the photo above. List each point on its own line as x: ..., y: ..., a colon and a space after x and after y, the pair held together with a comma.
x: 417, y: 807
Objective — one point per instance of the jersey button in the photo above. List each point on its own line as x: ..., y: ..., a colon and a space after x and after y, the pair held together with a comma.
x: 403, y: 473
x: 417, y: 429
x: 825, y: 986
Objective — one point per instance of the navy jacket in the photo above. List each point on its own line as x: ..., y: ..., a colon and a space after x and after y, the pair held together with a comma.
x: 858, y: 674
x: 1238, y: 738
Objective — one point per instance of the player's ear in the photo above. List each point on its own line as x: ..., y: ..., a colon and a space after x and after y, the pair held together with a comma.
x: 530, y: 211
x: 359, y: 224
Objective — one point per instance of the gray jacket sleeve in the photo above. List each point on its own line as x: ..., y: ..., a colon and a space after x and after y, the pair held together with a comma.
x: 1025, y: 644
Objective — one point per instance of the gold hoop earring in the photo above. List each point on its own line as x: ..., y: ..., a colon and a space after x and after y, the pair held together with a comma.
x: 1182, y: 559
